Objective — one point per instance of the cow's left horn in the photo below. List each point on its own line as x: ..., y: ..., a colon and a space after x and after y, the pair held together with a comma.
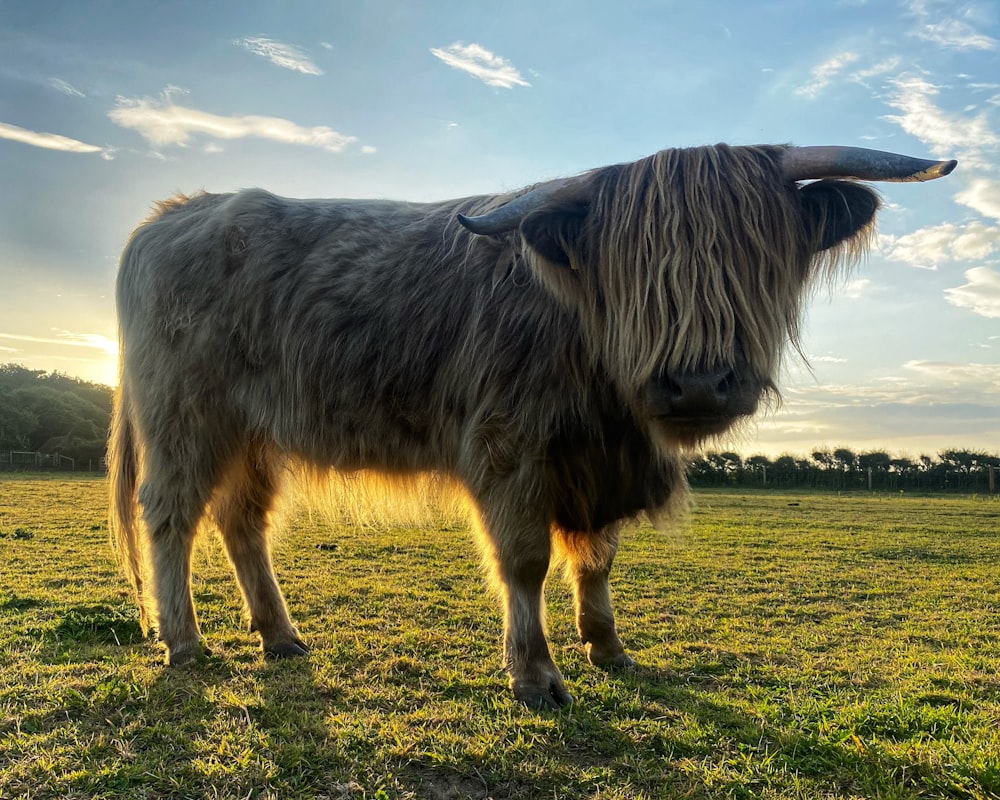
x: 805, y: 163
x: 509, y: 216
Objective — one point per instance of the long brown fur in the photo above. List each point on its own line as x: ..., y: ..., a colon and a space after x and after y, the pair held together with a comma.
x: 522, y: 376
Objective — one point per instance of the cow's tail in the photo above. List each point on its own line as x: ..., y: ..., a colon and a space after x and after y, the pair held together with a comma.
x: 123, y: 471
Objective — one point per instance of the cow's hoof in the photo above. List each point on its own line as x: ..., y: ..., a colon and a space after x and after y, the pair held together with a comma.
x: 292, y: 648
x: 187, y: 654
x: 549, y: 697
x: 613, y: 660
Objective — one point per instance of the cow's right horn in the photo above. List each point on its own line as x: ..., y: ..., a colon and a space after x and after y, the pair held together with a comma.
x: 509, y: 216
x: 806, y: 163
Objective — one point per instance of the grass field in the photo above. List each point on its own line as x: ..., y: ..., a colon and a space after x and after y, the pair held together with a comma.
x: 808, y: 646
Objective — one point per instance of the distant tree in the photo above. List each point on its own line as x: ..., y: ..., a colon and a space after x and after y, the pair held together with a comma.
x: 64, y: 414
x: 875, y: 460
x: 786, y: 463
x: 845, y: 459
x: 902, y: 465
x: 16, y: 425
x: 824, y: 458
x: 968, y: 461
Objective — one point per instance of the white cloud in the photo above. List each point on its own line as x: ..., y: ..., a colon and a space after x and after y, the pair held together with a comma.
x: 493, y: 70
x: 984, y: 377
x: 881, y: 68
x: 943, y: 131
x: 50, y: 141
x: 957, y: 34
x: 982, y: 195
x: 94, y: 341
x: 823, y: 74
x: 826, y: 360
x: 929, y: 247
x: 856, y: 288
x: 981, y: 294
x: 65, y: 88
x: 161, y: 121
x: 280, y: 54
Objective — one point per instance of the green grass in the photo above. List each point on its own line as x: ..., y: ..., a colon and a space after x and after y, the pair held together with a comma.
x: 809, y: 646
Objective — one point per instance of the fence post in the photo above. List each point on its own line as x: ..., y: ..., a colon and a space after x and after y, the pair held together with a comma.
x: 869, y: 479
x: 993, y: 479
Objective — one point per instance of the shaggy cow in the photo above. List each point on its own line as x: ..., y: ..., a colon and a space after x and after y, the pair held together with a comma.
x: 553, y: 351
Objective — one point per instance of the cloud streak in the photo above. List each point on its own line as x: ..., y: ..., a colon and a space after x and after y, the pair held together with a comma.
x: 50, y: 141
x: 955, y: 34
x: 163, y: 122
x: 491, y: 69
x: 281, y: 54
x: 94, y: 341
x: 65, y: 88
x: 823, y: 74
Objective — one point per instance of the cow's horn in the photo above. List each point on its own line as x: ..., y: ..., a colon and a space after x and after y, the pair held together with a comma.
x: 805, y: 163
x: 509, y: 216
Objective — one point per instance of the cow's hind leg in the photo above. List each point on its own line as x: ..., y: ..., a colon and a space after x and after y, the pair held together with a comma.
x: 241, y: 511
x: 588, y: 559
x: 173, y: 501
x: 520, y: 550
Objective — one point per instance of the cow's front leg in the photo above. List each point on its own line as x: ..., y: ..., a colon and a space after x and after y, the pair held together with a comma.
x: 520, y: 554
x: 588, y: 559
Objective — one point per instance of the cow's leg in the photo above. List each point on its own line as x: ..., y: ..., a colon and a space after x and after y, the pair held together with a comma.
x: 520, y: 550
x: 173, y: 500
x: 588, y: 558
x: 241, y: 511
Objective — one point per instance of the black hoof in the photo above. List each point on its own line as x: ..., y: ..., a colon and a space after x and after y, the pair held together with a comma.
x: 290, y: 649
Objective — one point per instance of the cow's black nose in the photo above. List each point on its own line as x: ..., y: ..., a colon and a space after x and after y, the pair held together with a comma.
x: 700, y: 394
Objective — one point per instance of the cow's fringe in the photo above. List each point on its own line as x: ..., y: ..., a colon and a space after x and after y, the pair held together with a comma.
x: 686, y: 268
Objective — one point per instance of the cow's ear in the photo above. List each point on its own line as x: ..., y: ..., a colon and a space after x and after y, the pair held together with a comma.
x: 836, y: 211
x: 555, y: 230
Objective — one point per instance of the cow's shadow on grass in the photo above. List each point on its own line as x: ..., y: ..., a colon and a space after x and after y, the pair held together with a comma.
x: 409, y: 727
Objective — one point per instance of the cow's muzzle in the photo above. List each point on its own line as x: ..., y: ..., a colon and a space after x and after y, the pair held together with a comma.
x: 702, y: 403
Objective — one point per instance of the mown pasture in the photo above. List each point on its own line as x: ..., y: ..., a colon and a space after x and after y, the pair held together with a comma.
x: 806, y: 646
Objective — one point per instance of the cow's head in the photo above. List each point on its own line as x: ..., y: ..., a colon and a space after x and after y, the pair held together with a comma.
x: 688, y: 268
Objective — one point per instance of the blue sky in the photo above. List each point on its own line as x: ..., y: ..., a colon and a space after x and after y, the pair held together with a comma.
x: 108, y: 106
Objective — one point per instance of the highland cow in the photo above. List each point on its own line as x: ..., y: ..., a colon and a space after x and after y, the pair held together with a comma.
x: 555, y: 352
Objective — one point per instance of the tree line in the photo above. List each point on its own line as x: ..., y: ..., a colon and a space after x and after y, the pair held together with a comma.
x: 842, y: 468
x: 52, y: 413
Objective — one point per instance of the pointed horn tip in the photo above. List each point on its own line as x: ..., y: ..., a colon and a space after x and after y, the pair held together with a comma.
x: 948, y: 167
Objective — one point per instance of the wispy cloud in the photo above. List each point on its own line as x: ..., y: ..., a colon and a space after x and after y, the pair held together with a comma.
x: 981, y: 294
x: 281, y: 54
x: 94, y: 341
x: 881, y: 68
x: 940, y: 244
x: 826, y: 360
x: 491, y: 69
x: 985, y: 377
x: 856, y: 288
x: 823, y: 74
x: 51, y: 141
x: 162, y: 122
x: 943, y: 131
x: 65, y: 88
x: 955, y: 33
